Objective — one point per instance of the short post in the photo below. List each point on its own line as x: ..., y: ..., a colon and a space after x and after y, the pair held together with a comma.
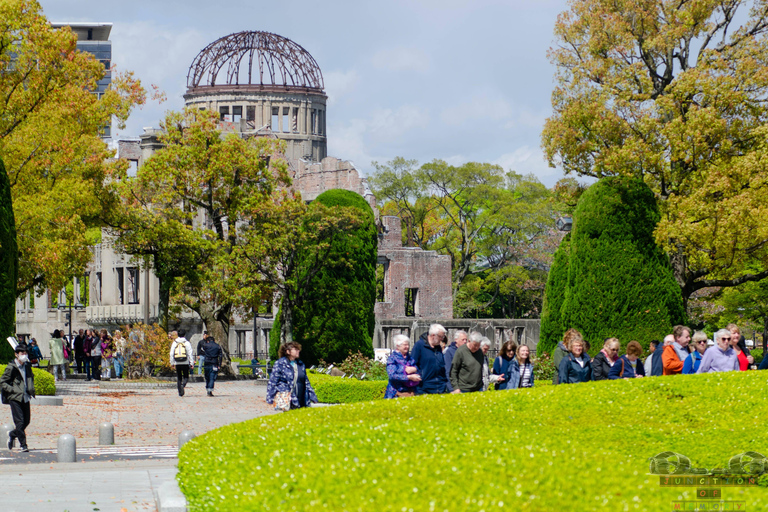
x: 106, y: 433
x: 185, y: 436
x: 66, y: 449
x: 5, y: 428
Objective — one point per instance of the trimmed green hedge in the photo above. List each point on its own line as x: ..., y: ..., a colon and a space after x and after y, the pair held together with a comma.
x: 337, y: 390
x: 580, y: 447
x: 44, y: 382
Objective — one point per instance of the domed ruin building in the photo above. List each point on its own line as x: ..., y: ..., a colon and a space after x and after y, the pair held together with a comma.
x: 263, y: 82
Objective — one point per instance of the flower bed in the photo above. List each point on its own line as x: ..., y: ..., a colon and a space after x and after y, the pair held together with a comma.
x: 579, y: 447
x: 44, y: 382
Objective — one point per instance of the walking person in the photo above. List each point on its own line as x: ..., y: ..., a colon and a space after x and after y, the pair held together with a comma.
x: 119, y: 357
x: 520, y: 370
x: 629, y: 366
x: 429, y: 359
x: 692, y: 362
x: 467, y: 367
x: 87, y: 359
x: 575, y: 366
x: 34, y: 353
x: 289, y: 387
x: 57, y: 356
x: 79, y: 354
x: 500, y: 364
x: 181, y: 359
x: 17, y: 385
x: 106, y: 355
x: 401, y: 369
x: 96, y: 357
x: 201, y: 353
x: 459, y: 340
x: 213, y: 354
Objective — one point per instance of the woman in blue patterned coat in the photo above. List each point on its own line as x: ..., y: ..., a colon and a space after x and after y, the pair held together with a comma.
x: 401, y: 369
x: 289, y: 375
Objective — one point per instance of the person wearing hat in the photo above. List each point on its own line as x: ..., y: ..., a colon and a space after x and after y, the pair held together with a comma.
x: 17, y: 385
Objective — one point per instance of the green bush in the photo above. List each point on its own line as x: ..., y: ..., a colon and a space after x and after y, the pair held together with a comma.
x: 339, y: 390
x: 336, y: 318
x: 243, y: 371
x: 44, y: 381
x: 620, y: 283
x: 552, y: 329
x: 543, y: 367
x: 581, y: 447
x: 758, y: 355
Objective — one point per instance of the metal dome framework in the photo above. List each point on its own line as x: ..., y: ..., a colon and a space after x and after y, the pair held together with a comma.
x: 265, y: 59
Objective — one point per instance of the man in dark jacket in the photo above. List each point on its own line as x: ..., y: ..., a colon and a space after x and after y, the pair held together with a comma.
x: 213, y: 356
x: 467, y: 367
x: 79, y: 354
x: 428, y: 357
x: 459, y: 340
x: 18, y: 388
x: 657, y: 365
x: 557, y: 356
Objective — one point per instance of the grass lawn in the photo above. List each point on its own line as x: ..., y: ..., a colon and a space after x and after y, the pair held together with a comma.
x: 553, y: 448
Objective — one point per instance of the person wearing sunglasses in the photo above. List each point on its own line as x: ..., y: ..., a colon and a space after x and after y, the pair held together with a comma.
x: 603, y: 361
x: 693, y: 361
x: 721, y: 357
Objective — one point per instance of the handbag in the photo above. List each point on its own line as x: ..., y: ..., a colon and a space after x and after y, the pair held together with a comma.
x: 283, y: 401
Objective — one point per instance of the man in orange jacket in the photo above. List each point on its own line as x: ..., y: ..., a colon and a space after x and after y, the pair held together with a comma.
x: 676, y: 352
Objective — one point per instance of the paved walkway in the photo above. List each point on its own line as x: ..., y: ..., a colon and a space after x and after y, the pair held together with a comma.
x: 121, y: 486
x: 147, y: 422
x: 141, y: 416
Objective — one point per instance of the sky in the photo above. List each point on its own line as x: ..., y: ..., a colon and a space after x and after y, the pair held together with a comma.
x: 422, y: 79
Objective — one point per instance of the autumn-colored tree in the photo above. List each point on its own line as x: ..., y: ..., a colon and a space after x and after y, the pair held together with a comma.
x: 673, y: 93
x: 197, y: 193
x: 57, y: 165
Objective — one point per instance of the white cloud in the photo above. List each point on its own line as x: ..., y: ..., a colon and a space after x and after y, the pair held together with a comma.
x: 528, y: 160
x: 401, y: 59
x: 481, y: 105
x: 339, y: 84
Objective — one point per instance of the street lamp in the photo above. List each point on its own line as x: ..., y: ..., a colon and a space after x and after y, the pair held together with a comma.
x: 564, y: 223
x: 68, y: 306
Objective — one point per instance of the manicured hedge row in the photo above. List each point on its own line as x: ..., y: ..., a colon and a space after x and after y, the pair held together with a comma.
x: 579, y: 447
x: 337, y: 390
x: 44, y: 382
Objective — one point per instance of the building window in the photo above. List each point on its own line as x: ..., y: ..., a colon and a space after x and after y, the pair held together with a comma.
x: 120, y: 286
x: 132, y: 276
x: 286, y: 119
x: 250, y: 113
x: 224, y: 114
x: 237, y: 114
x: 380, y: 273
x: 97, y: 288
x: 320, y: 125
x: 275, y: 119
x: 411, y: 301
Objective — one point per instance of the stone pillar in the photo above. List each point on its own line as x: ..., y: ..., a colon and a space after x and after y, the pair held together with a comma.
x: 303, y: 117
x: 259, y: 116
x: 268, y: 114
x: 279, y: 119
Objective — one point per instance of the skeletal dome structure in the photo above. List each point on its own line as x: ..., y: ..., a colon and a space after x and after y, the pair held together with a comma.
x: 262, y: 82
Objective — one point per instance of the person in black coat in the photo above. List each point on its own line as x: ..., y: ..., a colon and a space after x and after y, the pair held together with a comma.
x: 601, y: 364
x: 575, y: 366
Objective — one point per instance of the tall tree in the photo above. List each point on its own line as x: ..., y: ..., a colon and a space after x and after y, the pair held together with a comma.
x: 56, y: 164
x: 9, y: 265
x: 199, y: 190
x: 672, y: 92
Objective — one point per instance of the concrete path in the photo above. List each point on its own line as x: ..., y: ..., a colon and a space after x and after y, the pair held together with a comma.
x: 147, y: 421
x: 121, y: 486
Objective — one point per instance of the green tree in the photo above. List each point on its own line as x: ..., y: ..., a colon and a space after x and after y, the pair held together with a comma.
x: 619, y: 282
x: 672, y: 93
x: 196, y: 194
x: 287, y: 245
x: 552, y: 327
x: 337, y: 317
x: 9, y: 263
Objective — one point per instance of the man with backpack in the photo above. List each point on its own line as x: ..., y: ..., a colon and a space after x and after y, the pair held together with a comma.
x: 181, y: 358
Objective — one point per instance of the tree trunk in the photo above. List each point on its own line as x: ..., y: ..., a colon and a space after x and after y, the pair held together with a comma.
x: 164, y: 301
x: 9, y: 267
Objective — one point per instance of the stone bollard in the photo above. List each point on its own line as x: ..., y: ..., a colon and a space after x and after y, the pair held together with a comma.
x: 4, y: 429
x: 66, y: 449
x: 106, y: 433
x: 185, y: 436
